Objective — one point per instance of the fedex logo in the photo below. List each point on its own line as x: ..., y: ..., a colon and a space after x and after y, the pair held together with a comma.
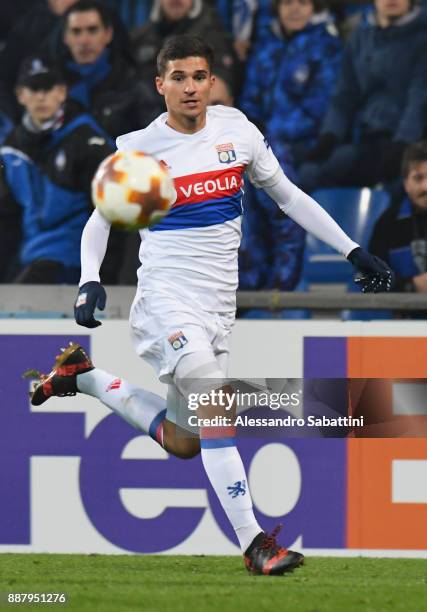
x: 312, y: 511
x: 215, y: 185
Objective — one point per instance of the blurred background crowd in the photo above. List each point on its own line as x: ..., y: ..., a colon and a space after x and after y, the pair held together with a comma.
x: 338, y: 87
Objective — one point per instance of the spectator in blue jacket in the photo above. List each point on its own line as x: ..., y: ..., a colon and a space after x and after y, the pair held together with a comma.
x: 46, y: 167
x: 379, y: 104
x: 272, y: 247
x: 249, y: 21
x: 288, y: 85
x: 290, y: 80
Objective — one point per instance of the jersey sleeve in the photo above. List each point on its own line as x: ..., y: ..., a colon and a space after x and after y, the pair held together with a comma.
x: 263, y: 169
x: 132, y: 141
x: 309, y: 214
x: 93, y: 247
x: 122, y: 142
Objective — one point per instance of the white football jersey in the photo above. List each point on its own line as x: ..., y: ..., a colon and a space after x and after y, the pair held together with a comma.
x: 192, y: 253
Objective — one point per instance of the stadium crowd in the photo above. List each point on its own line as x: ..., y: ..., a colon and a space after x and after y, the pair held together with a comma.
x: 338, y: 87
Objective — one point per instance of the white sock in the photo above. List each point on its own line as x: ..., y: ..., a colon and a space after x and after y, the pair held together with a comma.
x: 142, y: 409
x: 226, y: 472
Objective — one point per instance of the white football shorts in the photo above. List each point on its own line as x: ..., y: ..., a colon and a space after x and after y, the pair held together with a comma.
x: 164, y: 329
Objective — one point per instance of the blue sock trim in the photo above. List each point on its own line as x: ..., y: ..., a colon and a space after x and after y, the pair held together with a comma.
x: 217, y: 442
x: 155, y: 423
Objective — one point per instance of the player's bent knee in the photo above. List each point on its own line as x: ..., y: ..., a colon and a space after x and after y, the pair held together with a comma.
x: 184, y: 449
x: 179, y: 442
x: 189, y: 452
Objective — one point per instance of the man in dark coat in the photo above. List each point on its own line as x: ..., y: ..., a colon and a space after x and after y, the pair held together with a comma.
x: 99, y: 76
x: 379, y: 104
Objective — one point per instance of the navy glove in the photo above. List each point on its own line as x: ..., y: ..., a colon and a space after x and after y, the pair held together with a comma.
x: 373, y: 274
x: 91, y: 295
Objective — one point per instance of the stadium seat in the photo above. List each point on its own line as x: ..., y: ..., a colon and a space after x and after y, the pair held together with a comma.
x: 356, y: 210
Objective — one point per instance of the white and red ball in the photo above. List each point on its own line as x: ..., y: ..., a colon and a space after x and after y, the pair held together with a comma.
x: 132, y: 190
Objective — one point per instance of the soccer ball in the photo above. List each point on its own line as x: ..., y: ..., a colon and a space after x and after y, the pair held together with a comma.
x: 132, y: 190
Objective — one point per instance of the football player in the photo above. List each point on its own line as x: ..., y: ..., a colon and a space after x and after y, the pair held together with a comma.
x: 184, y: 308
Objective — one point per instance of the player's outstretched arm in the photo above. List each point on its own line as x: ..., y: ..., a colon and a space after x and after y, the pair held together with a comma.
x: 91, y: 293
x: 374, y: 275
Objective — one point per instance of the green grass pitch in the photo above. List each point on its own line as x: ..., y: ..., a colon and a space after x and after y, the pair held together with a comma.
x: 180, y: 583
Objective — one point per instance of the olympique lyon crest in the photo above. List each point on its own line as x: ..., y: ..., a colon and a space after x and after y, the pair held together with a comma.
x: 226, y: 153
x: 177, y: 340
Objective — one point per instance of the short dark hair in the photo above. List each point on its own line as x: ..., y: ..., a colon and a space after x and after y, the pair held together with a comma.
x: 180, y: 47
x: 83, y: 6
x: 414, y: 153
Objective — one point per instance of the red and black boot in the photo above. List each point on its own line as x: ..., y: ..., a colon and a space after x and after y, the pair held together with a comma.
x: 265, y: 556
x: 62, y: 380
